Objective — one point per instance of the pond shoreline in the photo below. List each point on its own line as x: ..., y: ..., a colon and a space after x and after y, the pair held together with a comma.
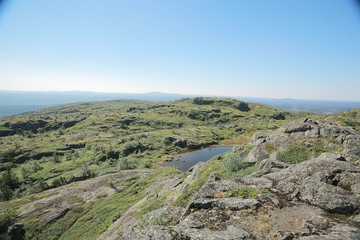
x: 186, y: 159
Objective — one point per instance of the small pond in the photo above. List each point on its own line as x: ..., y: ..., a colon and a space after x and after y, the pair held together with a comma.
x: 184, y: 161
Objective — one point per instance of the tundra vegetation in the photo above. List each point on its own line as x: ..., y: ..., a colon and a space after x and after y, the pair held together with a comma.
x: 117, y: 146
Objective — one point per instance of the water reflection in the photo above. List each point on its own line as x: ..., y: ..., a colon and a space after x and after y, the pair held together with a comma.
x: 184, y: 161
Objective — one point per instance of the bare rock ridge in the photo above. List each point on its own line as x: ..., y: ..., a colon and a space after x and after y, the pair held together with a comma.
x: 315, y: 199
x: 242, y: 106
x: 60, y: 200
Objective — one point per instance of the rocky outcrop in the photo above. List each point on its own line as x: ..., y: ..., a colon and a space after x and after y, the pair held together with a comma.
x: 40, y: 124
x: 345, y: 140
x: 55, y: 206
x: 315, y: 199
x: 242, y: 106
x: 279, y: 116
x: 186, y: 143
x: 73, y: 146
x: 326, y: 182
x: 5, y: 132
x: 202, y: 101
x: 234, y: 204
x: 290, y: 202
x: 239, y: 105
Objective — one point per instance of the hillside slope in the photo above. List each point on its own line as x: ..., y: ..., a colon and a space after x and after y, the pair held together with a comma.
x: 90, y: 170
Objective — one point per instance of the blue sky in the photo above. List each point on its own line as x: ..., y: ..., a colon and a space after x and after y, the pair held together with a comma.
x: 283, y: 49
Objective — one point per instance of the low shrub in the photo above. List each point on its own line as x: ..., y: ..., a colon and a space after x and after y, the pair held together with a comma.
x: 233, y: 162
x: 131, y: 146
x: 59, y: 182
x: 234, y: 165
x: 29, y: 168
x: 125, y: 163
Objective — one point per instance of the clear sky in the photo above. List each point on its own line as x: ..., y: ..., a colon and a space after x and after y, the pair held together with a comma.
x: 259, y: 48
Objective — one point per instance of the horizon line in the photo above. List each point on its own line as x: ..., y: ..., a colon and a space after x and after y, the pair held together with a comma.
x: 181, y: 94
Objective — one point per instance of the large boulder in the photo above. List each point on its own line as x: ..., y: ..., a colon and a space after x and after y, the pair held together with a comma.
x: 298, y: 126
x: 352, y: 147
x: 326, y: 182
x: 257, y: 154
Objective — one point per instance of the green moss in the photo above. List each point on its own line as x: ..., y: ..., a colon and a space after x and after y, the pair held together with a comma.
x: 270, y: 148
x: 245, y: 193
x: 352, y: 161
x: 74, y: 199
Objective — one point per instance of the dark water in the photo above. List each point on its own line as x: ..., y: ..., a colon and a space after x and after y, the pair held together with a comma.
x: 189, y: 159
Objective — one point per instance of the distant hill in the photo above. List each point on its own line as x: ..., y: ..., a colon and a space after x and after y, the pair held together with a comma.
x: 15, y: 102
x: 301, y: 105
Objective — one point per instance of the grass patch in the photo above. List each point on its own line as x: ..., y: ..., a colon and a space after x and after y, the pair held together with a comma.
x: 245, y: 171
x: 294, y: 154
x: 248, y: 192
x: 56, y: 230
x: 318, y: 148
x: 350, y: 123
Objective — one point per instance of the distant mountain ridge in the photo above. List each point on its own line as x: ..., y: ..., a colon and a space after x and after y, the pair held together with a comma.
x: 15, y: 102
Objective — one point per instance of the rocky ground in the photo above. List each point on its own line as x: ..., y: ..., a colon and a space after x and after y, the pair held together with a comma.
x: 315, y: 199
x: 318, y: 198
